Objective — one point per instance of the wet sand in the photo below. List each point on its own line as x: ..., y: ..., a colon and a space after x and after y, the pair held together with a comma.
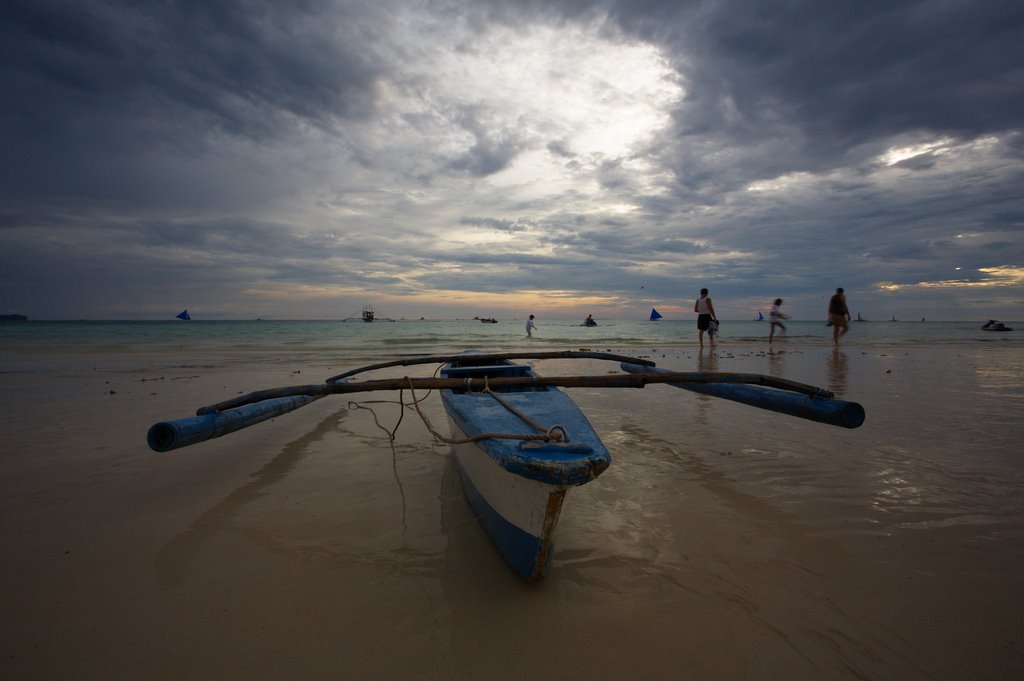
x: 723, y: 543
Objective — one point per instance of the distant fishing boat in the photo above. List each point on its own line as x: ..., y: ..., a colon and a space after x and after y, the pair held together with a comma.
x: 519, y: 443
x: 368, y: 313
x: 183, y: 315
x: 655, y: 315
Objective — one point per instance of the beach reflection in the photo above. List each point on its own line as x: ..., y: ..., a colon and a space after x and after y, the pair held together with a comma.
x: 705, y: 362
x: 776, y: 362
x: 1001, y: 380
x: 838, y: 371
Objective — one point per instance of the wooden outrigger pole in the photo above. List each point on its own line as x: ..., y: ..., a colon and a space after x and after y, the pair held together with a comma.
x: 765, y: 392
x: 768, y: 394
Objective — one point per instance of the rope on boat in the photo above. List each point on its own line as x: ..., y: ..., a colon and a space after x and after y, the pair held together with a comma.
x: 550, y: 432
x: 555, y: 433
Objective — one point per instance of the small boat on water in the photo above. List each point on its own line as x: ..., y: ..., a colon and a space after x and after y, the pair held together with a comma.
x: 183, y: 315
x: 368, y: 313
x: 655, y: 315
x: 760, y: 317
x: 519, y: 442
x: 993, y: 325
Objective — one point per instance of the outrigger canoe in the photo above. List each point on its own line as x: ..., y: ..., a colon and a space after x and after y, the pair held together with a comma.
x: 520, y: 443
x: 518, y: 450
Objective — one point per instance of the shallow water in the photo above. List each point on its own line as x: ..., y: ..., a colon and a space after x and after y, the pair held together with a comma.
x: 238, y: 342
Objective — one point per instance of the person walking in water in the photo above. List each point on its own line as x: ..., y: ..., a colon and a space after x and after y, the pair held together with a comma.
x: 838, y: 315
x: 705, y: 315
x: 776, y: 316
x: 530, y: 326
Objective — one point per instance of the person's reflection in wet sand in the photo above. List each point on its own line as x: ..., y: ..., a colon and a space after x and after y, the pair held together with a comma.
x: 838, y: 369
x: 776, y: 363
x: 705, y: 362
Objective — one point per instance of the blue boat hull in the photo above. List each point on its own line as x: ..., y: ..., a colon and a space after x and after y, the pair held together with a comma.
x: 527, y: 552
x: 517, y: 487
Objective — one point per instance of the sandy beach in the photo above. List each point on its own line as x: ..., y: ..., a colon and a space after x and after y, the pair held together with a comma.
x: 724, y: 542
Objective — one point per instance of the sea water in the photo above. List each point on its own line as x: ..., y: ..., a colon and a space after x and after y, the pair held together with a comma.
x: 177, y: 343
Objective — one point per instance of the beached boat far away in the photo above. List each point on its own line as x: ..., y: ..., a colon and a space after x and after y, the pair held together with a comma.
x: 519, y: 442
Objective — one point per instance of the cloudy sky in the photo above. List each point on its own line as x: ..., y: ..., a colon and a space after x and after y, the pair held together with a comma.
x: 451, y: 158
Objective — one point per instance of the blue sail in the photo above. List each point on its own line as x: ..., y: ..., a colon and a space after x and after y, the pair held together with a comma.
x: 760, y: 317
x: 183, y: 315
x: 655, y: 316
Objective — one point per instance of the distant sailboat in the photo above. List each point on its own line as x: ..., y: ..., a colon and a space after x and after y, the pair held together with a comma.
x: 760, y: 317
x: 859, y: 318
x: 183, y: 315
x: 368, y: 313
x: 655, y: 315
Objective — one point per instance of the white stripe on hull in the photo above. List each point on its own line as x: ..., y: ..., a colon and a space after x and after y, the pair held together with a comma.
x: 522, y: 502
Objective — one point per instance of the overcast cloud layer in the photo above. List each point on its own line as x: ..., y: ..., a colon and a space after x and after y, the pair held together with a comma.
x: 440, y: 159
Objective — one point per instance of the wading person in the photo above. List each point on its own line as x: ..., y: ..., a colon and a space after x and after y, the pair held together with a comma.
x: 838, y: 315
x: 775, y: 316
x: 705, y: 315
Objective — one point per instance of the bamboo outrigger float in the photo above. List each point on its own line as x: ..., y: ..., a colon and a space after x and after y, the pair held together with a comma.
x: 520, y: 443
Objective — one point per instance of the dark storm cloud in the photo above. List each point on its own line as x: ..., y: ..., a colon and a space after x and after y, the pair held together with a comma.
x: 559, y: 148
x: 229, y: 63
x: 613, y: 241
x: 493, y: 149
x: 118, y: 79
x: 824, y: 78
x: 510, y: 226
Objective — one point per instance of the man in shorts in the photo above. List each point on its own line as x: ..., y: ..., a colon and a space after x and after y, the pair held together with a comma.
x: 838, y: 315
x: 705, y: 316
